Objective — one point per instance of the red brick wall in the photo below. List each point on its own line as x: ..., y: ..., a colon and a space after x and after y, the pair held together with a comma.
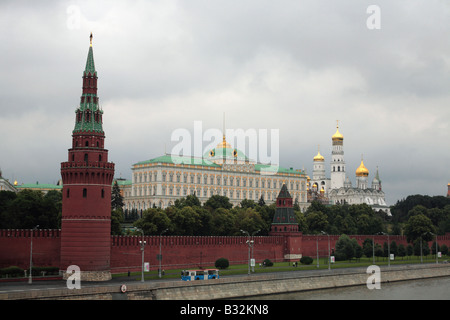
x: 177, y: 251
x: 15, y: 248
x: 191, y: 252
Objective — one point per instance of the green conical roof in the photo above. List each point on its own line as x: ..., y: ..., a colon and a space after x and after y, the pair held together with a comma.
x: 89, y: 105
x: 90, y: 66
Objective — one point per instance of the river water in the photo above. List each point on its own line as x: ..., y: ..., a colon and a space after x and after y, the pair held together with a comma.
x: 423, y: 289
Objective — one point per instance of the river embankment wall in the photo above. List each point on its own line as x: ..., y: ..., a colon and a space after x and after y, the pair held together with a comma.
x: 235, y: 287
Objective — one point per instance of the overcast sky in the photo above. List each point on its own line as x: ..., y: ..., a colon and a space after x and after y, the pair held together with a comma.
x: 296, y: 66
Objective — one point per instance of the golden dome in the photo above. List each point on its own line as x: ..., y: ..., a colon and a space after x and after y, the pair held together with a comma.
x: 337, y: 135
x: 362, y: 170
x: 319, y: 157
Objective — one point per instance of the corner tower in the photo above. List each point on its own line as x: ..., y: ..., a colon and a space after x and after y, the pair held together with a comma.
x: 87, y: 178
x: 337, y: 169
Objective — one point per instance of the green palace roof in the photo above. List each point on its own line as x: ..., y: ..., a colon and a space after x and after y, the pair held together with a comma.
x: 38, y: 185
x: 175, y: 159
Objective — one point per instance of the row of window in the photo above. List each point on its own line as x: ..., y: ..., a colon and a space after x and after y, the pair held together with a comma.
x: 205, y: 192
x: 216, y: 180
x: 85, y: 193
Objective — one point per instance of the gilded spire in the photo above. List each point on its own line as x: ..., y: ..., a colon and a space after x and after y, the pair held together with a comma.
x: 90, y: 66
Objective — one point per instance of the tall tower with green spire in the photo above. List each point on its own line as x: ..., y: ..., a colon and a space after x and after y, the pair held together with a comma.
x: 87, y: 178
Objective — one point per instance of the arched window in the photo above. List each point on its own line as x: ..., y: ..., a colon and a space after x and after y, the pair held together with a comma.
x: 85, y: 157
x: 84, y: 193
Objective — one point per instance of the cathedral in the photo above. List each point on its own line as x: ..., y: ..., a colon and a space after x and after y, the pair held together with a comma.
x: 338, y: 189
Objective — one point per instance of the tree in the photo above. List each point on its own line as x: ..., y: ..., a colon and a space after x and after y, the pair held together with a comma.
x: 419, y: 226
x: 261, y: 201
x: 357, y: 249
x: 185, y: 221
x: 368, y: 247
x: 249, y: 220
x: 216, y: 201
x: 401, y: 251
x: 188, y: 201
x: 153, y: 221
x: 116, y: 220
x: 316, y: 221
x: 248, y: 203
x: 345, y: 249
x: 116, y: 197
x: 222, y: 223
x: 444, y: 249
x: 31, y: 208
x: 222, y: 263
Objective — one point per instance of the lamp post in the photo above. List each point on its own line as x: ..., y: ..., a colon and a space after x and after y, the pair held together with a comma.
x: 389, y: 248
x: 253, y: 245
x: 250, y: 246
x: 142, y: 243
x: 160, y: 255
x: 373, y: 249
x: 329, y: 253
x: 30, y: 280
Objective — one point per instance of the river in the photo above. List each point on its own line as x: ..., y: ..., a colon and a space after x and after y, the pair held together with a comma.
x: 422, y: 289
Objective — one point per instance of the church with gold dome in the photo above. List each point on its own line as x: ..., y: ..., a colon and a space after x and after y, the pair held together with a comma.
x: 338, y: 189
x: 223, y: 170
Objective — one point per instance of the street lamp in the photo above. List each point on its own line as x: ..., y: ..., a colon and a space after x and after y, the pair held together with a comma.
x: 160, y: 256
x: 329, y: 253
x: 250, y: 246
x: 389, y: 248
x: 142, y: 243
x: 253, y: 266
x: 30, y: 280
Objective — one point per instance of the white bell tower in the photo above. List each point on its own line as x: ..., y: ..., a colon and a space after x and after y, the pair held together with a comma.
x: 337, y: 168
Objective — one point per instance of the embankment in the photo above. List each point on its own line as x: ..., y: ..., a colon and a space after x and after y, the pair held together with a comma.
x: 234, y: 287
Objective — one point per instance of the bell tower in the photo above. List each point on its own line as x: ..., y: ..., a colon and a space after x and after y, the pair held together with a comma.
x: 87, y: 178
x: 337, y: 160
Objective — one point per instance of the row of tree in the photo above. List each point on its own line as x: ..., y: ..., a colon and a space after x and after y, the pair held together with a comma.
x: 425, y: 216
x: 27, y: 209
x: 347, y: 249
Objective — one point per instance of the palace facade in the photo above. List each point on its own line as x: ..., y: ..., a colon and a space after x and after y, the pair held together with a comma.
x: 224, y: 171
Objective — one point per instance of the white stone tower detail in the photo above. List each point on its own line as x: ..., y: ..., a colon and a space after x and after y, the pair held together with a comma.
x: 337, y: 160
x: 319, y: 167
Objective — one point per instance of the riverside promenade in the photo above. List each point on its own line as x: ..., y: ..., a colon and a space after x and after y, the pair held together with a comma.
x: 231, y: 287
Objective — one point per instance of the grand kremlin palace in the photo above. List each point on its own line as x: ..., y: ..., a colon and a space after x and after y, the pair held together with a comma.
x: 222, y: 171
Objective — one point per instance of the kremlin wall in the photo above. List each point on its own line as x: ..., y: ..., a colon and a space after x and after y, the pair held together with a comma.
x: 177, y: 251
x: 84, y: 239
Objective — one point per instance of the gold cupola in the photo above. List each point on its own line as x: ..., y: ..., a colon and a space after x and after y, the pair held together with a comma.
x: 362, y: 170
x: 337, y: 136
x: 319, y: 157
